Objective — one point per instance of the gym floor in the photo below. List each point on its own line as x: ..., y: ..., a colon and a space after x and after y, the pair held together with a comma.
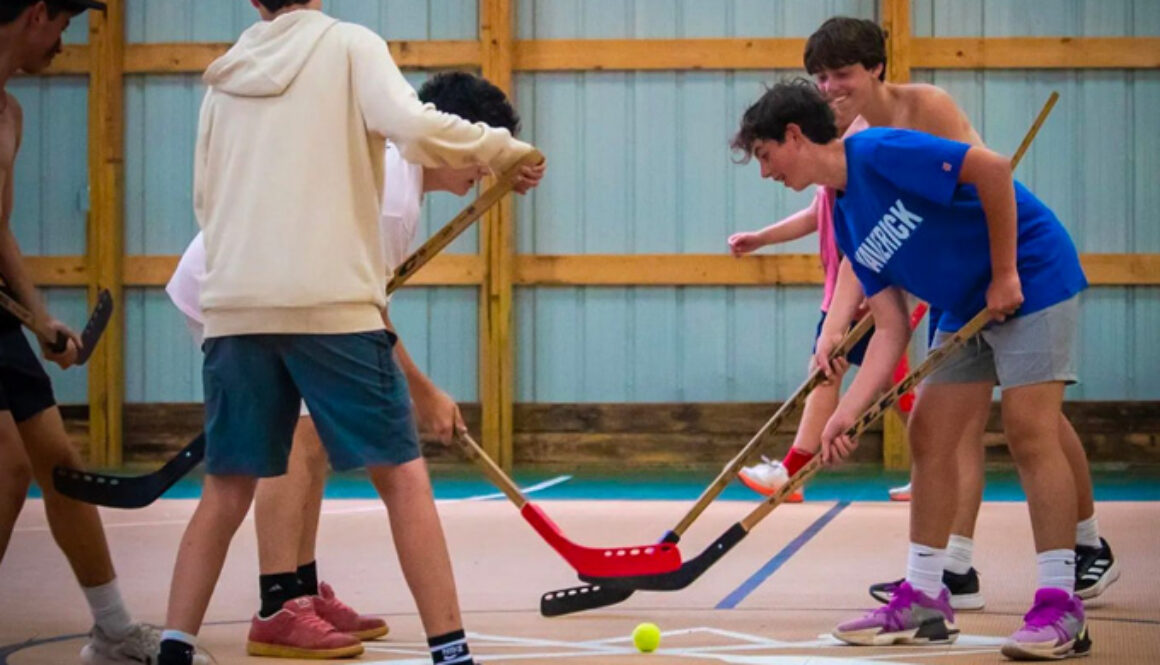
x: 771, y: 601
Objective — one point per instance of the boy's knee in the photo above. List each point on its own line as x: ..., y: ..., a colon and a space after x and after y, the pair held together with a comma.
x: 15, y: 478
x: 228, y: 499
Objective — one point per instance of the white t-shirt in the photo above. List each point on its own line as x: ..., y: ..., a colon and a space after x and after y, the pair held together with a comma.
x: 398, y: 223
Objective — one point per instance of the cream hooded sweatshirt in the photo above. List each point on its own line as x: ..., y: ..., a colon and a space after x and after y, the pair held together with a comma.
x: 289, y: 168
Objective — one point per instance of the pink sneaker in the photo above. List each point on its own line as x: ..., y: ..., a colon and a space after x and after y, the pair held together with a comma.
x: 911, y: 617
x: 296, y: 631
x: 344, y: 618
x: 1053, y: 629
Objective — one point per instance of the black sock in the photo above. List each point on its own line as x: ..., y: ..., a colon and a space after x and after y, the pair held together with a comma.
x: 450, y: 649
x: 308, y: 578
x: 175, y: 652
x: 276, y: 590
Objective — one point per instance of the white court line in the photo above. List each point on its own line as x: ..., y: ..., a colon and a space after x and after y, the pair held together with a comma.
x: 531, y: 489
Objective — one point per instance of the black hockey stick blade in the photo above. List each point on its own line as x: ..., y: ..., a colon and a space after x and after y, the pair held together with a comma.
x: 128, y: 491
x: 589, y: 596
x: 95, y: 327
x: 683, y: 576
x: 581, y: 598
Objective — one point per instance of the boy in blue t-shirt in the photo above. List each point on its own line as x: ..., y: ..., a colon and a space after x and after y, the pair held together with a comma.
x: 946, y: 222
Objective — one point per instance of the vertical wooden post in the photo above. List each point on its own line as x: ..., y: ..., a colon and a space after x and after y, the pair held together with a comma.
x: 497, y: 248
x: 105, y: 245
x: 896, y: 22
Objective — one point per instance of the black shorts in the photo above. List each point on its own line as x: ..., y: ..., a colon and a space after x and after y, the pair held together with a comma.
x: 25, y: 389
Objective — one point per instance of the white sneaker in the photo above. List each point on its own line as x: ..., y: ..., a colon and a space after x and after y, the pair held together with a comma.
x: 139, y: 646
x: 900, y: 493
x: 768, y: 477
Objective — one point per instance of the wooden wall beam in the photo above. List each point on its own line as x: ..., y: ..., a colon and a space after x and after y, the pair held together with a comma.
x: 105, y: 244
x: 600, y: 270
x: 1036, y: 53
x: 685, y: 54
x: 496, y: 33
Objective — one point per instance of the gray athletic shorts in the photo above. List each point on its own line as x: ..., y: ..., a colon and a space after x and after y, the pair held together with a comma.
x: 1025, y: 350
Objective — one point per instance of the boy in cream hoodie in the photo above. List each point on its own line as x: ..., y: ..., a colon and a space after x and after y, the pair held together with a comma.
x: 287, y: 190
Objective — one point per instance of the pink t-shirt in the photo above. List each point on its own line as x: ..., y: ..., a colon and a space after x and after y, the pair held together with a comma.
x: 827, y: 245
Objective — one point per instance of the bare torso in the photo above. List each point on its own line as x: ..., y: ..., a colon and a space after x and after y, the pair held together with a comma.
x: 930, y: 109
x: 10, y: 126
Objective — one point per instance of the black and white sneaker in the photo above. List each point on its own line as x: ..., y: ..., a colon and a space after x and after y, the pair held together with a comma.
x: 1095, y: 569
x: 965, y: 592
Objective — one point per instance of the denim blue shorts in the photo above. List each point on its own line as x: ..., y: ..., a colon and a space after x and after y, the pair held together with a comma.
x: 856, y: 354
x: 356, y: 393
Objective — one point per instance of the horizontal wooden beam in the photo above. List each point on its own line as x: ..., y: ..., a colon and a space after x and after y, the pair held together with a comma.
x: 764, y: 269
x: 682, y: 54
x: 1036, y: 52
x: 73, y: 59
x: 665, y: 269
x: 654, y: 54
x: 444, y: 270
x: 602, y: 270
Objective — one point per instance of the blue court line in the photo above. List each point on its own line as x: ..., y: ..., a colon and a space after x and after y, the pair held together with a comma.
x: 779, y: 559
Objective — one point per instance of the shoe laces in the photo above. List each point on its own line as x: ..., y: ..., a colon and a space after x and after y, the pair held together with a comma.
x: 310, y: 619
x: 143, y: 639
x: 1044, y: 613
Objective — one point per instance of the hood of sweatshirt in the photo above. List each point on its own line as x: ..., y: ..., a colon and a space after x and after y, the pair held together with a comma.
x: 269, y: 55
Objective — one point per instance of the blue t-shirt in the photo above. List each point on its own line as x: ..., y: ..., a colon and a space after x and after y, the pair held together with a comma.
x: 904, y: 220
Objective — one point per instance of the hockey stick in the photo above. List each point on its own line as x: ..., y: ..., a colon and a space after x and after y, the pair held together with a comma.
x: 598, y: 562
x: 593, y: 596
x: 694, y: 568
x: 57, y: 341
x: 578, y: 599
x: 138, y: 491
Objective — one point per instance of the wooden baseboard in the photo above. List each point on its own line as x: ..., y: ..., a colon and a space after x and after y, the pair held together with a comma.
x: 673, y: 436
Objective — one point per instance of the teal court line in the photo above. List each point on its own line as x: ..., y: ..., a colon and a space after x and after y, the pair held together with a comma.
x: 855, y: 484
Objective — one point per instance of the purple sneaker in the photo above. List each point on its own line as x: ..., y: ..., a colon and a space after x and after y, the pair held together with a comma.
x: 911, y: 617
x: 1053, y: 629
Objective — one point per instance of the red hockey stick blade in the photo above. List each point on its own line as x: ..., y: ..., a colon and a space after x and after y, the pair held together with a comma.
x: 613, y: 561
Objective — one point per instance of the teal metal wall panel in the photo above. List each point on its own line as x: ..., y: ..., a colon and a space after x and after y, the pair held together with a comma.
x: 224, y: 20
x: 1021, y: 18
x: 669, y: 19
x: 51, y: 179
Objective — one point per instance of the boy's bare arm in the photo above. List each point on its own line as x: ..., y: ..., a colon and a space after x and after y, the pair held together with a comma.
x: 891, y: 334
x: 992, y: 177
x: 798, y: 225
x: 844, y: 306
x: 436, y: 412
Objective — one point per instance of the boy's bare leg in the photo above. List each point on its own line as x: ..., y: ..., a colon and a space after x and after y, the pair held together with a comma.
x: 1031, y: 421
x: 76, y: 526
x: 419, y: 541
x: 224, y: 503
x: 1078, y: 461
x: 971, y: 462
x: 15, y: 478
x: 287, y: 507
x: 942, y: 414
x: 820, y: 405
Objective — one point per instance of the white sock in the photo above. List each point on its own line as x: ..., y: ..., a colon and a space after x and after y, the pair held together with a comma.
x: 924, y: 568
x: 1087, y: 533
x: 960, y: 551
x: 108, y: 609
x: 179, y: 636
x: 1057, y: 570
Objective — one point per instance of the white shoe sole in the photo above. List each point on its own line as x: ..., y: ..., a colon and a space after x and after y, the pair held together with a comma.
x: 968, y: 602
x: 1102, y: 585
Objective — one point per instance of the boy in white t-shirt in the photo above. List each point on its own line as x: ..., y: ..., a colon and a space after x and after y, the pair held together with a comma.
x: 287, y: 507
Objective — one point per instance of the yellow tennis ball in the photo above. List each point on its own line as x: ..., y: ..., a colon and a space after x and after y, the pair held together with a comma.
x: 646, y: 637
